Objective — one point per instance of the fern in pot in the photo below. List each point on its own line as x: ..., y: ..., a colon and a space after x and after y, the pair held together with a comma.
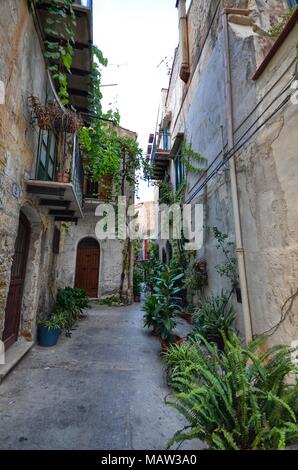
x: 239, y: 400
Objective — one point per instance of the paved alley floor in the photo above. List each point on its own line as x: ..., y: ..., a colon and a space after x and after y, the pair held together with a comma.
x: 103, y: 388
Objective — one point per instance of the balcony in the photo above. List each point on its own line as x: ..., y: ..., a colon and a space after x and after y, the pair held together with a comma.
x: 81, y: 69
x: 64, y: 200
x: 160, y: 155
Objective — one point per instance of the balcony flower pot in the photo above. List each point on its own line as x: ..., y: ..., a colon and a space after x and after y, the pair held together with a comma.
x: 47, y: 337
x: 63, y: 177
x: 66, y: 177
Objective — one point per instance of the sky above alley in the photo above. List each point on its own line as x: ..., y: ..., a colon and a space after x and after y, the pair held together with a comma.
x: 139, y: 38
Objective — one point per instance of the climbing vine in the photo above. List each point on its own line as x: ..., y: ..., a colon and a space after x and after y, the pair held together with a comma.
x: 60, y: 41
x: 193, y: 161
x: 229, y: 268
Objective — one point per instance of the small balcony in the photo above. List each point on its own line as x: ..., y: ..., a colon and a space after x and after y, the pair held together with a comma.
x: 81, y: 68
x: 160, y: 155
x: 62, y: 195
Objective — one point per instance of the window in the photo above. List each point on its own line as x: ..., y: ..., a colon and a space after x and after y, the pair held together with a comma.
x: 46, y: 162
x: 179, y: 170
x: 165, y: 135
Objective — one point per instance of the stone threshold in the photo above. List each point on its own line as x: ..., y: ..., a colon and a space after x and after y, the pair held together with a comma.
x: 13, y: 356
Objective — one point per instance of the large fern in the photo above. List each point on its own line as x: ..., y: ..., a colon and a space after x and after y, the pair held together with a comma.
x: 240, y: 399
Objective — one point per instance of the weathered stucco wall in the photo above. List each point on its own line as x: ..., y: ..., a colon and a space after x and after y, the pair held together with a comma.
x: 111, y: 256
x: 268, y: 197
x: 22, y: 73
x: 199, y: 110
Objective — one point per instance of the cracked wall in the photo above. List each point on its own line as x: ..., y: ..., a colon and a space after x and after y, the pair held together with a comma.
x: 199, y: 111
x: 22, y: 73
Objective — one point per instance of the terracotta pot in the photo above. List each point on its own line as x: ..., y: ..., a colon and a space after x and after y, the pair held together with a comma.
x: 202, y: 264
x: 178, y: 340
x: 65, y: 177
x: 165, y: 343
x: 155, y: 329
x: 137, y: 298
x: 187, y: 317
x: 60, y: 177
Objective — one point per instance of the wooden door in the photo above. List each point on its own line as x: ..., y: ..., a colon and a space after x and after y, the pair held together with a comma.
x: 87, y: 268
x: 15, y: 294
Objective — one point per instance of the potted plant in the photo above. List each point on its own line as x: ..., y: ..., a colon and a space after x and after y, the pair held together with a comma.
x: 151, y: 308
x: 137, y: 283
x: 187, y: 315
x: 166, y: 291
x: 213, y: 318
x: 49, y: 330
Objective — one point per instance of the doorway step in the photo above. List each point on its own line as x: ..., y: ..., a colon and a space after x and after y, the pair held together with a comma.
x: 13, y: 356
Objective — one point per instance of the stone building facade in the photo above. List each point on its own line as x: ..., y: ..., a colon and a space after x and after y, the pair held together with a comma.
x: 42, y: 218
x: 220, y: 98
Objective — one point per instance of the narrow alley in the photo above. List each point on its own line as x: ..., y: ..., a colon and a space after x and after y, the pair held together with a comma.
x: 102, y: 388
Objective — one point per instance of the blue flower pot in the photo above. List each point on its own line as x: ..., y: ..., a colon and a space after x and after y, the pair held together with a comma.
x: 47, y: 338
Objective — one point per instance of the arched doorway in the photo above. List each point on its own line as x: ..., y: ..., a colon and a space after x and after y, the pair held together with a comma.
x: 87, y: 267
x: 17, y: 281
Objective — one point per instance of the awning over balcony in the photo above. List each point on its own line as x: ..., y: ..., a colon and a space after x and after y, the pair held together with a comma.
x: 81, y: 68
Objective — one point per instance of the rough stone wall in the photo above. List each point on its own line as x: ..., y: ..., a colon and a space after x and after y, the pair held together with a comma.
x: 22, y: 72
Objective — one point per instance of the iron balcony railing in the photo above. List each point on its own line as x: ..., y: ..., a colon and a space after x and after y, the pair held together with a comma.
x: 161, y: 142
x: 77, y: 173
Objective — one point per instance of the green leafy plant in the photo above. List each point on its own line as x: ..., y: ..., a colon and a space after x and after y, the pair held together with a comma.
x: 193, y: 161
x: 112, y: 301
x: 59, y: 28
x: 151, y: 308
x: 56, y: 321
x: 181, y: 356
x: 72, y: 302
x: 240, y: 400
x: 137, y: 280
x: 152, y: 267
x: 277, y: 28
x: 166, y: 291
x: 229, y: 267
x: 214, y: 317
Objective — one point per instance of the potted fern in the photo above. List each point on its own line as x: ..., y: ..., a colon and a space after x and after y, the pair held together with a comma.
x: 239, y: 400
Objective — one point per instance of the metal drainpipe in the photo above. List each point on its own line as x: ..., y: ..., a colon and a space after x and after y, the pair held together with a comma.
x: 235, y: 199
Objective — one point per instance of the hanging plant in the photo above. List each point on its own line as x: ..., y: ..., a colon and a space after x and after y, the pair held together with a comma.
x: 52, y: 117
